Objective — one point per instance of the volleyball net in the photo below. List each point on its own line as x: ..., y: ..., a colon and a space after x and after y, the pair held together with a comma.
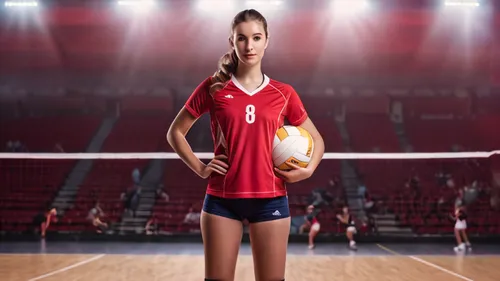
x: 418, y: 190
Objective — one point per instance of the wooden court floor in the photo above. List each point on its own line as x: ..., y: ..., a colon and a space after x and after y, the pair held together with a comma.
x: 110, y: 267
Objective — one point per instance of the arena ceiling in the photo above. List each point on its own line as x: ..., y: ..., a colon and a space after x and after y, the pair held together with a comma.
x: 313, y: 44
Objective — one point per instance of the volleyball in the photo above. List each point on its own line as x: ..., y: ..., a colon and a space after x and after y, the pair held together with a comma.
x: 292, y: 144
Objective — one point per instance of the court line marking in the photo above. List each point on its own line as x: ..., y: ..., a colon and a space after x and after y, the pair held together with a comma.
x: 440, y: 268
x: 68, y: 267
x: 425, y: 262
x: 387, y: 250
x: 201, y: 254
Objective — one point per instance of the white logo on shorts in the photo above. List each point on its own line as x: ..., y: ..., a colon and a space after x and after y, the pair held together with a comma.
x: 276, y: 213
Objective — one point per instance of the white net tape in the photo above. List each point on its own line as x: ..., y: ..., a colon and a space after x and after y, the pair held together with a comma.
x: 210, y: 155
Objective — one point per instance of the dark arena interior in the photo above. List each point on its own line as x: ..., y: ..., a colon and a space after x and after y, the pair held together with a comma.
x: 405, y: 95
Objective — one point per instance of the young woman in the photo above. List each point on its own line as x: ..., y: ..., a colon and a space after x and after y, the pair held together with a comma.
x: 460, y: 230
x: 42, y: 221
x: 311, y: 224
x: 246, y: 109
x: 347, y: 219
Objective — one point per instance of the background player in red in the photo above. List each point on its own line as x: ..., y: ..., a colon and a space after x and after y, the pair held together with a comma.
x: 43, y: 220
x: 246, y: 109
x: 312, y: 224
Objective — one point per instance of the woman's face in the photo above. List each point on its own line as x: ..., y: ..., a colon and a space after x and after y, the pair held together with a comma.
x: 250, y: 42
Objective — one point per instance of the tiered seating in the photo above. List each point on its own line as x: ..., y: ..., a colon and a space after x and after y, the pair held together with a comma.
x: 9, y: 108
x: 441, y: 135
x: 104, y: 184
x: 298, y: 194
x: 109, y: 178
x: 422, y: 216
x: 137, y: 133
x: 328, y: 130
x: 24, y: 192
x: 56, y: 105
x: 42, y: 133
x: 368, y: 132
x: 185, y: 189
x: 131, y: 105
x: 485, y: 130
x: 438, y: 105
x: 483, y: 220
x: 386, y: 179
x: 321, y: 111
x: 383, y: 178
x: 27, y: 187
x: 381, y: 175
x: 471, y: 134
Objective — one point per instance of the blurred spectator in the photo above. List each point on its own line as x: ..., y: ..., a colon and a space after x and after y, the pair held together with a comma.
x: 450, y: 183
x: 94, y: 216
x: 131, y: 199
x: 369, y: 203
x: 152, y: 227
x: 443, y: 179
x: 361, y: 194
x: 136, y: 176
x: 414, y: 183
x: 459, y: 200
x: 320, y: 197
x: 470, y: 193
x: 134, y: 202
x: 192, y: 217
x: 361, y: 190
x: 15, y: 146
x: 9, y: 146
x: 58, y: 148
x: 495, y: 199
x: 161, y: 194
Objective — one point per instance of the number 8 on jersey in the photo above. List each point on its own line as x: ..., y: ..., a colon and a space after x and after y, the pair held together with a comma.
x: 250, y: 114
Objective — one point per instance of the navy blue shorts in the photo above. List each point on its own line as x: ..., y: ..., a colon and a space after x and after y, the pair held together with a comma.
x: 252, y: 209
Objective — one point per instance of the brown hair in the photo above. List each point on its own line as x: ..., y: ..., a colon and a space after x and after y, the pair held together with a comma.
x: 228, y: 63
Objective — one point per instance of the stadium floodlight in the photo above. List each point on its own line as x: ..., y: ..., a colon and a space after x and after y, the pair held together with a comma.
x: 14, y: 3
x: 463, y: 3
x: 261, y: 3
x: 215, y: 5
x: 349, y: 6
x: 142, y: 3
x: 265, y: 5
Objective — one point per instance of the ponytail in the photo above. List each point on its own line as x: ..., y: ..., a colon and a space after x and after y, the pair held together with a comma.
x: 228, y: 64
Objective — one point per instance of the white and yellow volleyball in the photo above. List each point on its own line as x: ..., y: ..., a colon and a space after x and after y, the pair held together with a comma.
x: 292, y: 144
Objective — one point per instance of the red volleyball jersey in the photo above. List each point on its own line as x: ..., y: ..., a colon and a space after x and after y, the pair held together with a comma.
x: 314, y: 220
x: 243, y: 126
